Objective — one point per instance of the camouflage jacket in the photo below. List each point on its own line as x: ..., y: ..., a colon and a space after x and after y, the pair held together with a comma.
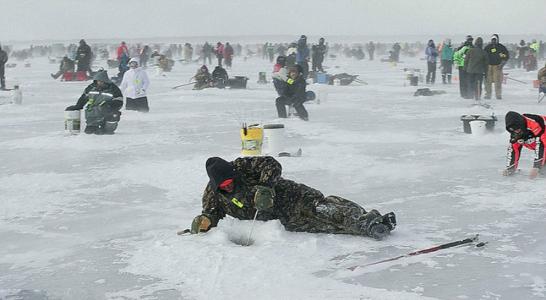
x: 290, y: 197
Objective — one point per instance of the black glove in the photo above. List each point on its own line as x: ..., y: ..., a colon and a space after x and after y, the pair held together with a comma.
x: 71, y: 107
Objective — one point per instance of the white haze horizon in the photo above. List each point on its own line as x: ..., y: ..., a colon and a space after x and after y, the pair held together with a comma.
x: 71, y: 20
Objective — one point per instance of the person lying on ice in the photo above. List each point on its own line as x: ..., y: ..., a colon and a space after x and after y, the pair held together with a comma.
x: 527, y: 131
x: 103, y: 99
x: 254, y: 184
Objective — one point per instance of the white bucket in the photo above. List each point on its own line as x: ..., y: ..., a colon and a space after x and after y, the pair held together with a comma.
x: 477, y: 127
x: 72, y: 121
x: 322, y: 96
x: 273, y: 141
x: 17, y: 95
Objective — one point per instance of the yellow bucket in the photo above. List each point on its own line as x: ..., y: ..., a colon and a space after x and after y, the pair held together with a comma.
x: 251, y: 141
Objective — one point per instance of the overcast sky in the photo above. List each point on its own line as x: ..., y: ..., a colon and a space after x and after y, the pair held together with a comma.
x: 74, y: 19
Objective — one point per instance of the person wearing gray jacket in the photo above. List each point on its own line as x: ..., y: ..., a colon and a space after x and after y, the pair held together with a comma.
x: 3, y: 61
x: 475, y: 65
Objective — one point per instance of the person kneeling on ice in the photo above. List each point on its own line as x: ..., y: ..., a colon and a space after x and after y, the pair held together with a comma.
x: 134, y: 85
x: 253, y: 185
x: 103, y: 99
x: 293, y: 94
x: 527, y: 131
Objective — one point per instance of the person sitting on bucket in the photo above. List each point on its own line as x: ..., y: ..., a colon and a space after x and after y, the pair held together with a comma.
x: 527, y: 131
x: 67, y: 65
x: 293, y: 94
x: 203, y: 79
x: 251, y: 185
x: 134, y: 85
x: 219, y: 77
x: 103, y: 99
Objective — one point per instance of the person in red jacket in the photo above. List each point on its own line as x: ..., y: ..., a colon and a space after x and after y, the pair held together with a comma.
x: 122, y: 49
x: 228, y: 55
x: 219, y: 50
x: 527, y: 131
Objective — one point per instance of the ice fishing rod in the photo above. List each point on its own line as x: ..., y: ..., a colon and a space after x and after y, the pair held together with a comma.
x: 175, y: 87
x: 251, y: 229
x: 423, y: 251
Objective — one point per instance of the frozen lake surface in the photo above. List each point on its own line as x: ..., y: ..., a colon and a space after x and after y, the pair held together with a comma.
x: 95, y: 217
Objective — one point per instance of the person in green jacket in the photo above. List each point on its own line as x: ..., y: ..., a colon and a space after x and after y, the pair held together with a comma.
x: 458, y: 58
x: 447, y: 61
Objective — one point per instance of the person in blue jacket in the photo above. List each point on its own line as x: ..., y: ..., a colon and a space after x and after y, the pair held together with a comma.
x: 447, y: 61
x: 431, y: 55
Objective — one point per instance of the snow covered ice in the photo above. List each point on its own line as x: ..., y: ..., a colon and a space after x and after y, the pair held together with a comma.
x: 95, y: 217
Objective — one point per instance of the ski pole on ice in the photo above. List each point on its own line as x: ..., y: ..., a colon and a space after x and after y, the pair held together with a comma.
x: 251, y: 228
x: 423, y: 251
x: 175, y: 87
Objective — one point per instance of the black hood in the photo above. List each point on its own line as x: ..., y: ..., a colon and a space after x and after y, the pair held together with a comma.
x: 515, y: 121
x: 218, y: 171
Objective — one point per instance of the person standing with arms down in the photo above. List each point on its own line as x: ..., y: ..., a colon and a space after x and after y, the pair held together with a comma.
x: 318, y: 56
x: 497, y: 56
x: 3, y: 61
x: 302, y: 56
x: 371, y: 49
x: 134, y: 85
x: 447, y: 61
x: 432, y: 55
x: 475, y: 66
x: 458, y: 58
x: 83, y: 56
x: 228, y: 55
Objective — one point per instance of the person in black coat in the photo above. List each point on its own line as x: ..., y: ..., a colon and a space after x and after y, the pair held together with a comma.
x: 318, y: 55
x: 83, y: 56
x: 219, y: 77
x: 102, y: 100
x: 294, y: 94
x: 3, y: 61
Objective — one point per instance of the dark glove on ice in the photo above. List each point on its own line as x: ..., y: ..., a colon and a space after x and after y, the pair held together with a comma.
x: 71, y: 107
x: 201, y: 223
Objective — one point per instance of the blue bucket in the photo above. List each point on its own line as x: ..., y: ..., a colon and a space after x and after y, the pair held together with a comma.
x: 322, y: 78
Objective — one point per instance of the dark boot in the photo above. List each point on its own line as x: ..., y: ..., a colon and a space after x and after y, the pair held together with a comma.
x: 378, y: 231
x: 91, y: 129
x: 389, y: 220
x: 281, y: 108
x: 378, y: 226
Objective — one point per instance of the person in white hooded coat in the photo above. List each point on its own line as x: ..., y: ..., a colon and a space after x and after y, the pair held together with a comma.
x: 134, y: 86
